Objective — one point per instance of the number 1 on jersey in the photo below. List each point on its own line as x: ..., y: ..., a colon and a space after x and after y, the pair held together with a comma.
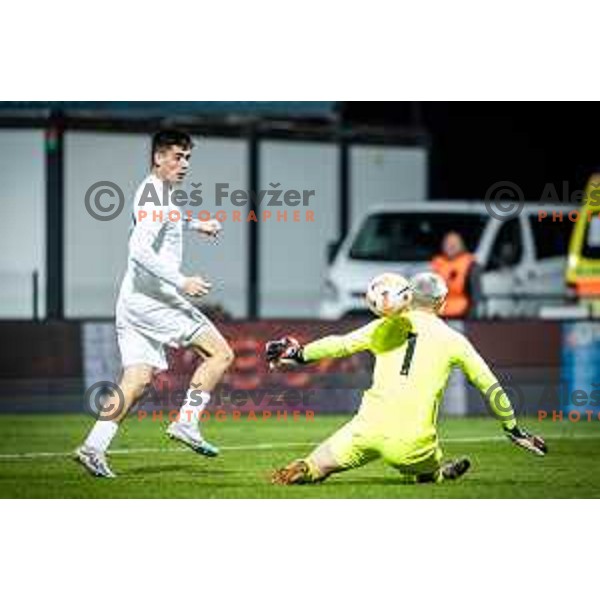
x: 410, y: 352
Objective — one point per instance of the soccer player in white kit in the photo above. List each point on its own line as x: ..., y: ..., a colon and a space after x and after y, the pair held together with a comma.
x: 154, y: 309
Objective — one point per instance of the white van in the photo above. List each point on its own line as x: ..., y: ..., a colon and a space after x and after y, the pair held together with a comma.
x: 523, y: 259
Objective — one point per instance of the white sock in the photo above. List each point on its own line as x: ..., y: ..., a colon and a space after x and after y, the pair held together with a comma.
x: 195, y: 402
x: 101, y: 435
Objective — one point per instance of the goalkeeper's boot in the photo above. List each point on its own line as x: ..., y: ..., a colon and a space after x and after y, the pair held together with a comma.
x: 296, y: 472
x: 188, y: 434
x: 454, y: 469
x: 94, y: 462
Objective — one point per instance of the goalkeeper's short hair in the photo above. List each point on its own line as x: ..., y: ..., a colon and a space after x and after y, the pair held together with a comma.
x: 429, y: 290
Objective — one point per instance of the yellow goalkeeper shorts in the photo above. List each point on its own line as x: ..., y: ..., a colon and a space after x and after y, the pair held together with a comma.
x: 357, y: 444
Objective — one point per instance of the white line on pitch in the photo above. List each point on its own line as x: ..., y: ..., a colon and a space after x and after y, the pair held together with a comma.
x: 156, y: 450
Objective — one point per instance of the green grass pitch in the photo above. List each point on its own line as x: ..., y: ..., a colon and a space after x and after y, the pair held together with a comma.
x: 35, y: 462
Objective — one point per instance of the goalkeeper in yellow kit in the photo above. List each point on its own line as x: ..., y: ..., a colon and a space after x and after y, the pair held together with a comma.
x: 414, y: 354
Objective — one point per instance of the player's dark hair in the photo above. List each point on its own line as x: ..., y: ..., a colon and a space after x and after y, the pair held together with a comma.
x: 170, y: 137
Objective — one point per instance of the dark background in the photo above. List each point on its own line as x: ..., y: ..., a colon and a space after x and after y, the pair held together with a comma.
x: 474, y: 144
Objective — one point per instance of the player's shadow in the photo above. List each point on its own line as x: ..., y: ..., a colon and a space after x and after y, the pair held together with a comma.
x: 184, y: 469
x: 367, y: 481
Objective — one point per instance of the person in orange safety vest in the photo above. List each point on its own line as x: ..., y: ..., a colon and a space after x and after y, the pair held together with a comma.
x: 462, y: 275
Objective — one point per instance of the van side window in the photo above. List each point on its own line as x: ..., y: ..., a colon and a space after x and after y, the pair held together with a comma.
x: 591, y: 241
x: 508, y: 247
x: 551, y: 238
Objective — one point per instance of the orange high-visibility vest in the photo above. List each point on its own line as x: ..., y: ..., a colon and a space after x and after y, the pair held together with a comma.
x: 587, y: 286
x: 455, y: 272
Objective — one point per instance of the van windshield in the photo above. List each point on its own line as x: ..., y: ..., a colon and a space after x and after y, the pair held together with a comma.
x: 414, y: 237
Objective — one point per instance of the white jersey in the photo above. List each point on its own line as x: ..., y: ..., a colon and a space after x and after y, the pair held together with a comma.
x: 155, y: 244
x: 151, y: 310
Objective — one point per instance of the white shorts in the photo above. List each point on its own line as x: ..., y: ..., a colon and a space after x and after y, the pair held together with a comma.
x: 145, y: 326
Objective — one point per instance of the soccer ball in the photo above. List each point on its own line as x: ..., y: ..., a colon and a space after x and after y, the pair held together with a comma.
x: 389, y: 294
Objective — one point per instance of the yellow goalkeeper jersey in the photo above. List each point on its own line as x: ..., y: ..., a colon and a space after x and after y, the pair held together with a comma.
x: 414, y: 355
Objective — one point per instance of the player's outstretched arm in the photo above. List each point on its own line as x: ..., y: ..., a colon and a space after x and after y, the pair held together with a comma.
x: 288, y: 351
x: 482, y: 377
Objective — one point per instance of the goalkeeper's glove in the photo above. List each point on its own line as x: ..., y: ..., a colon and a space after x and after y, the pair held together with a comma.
x: 532, y: 443
x: 286, y: 351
